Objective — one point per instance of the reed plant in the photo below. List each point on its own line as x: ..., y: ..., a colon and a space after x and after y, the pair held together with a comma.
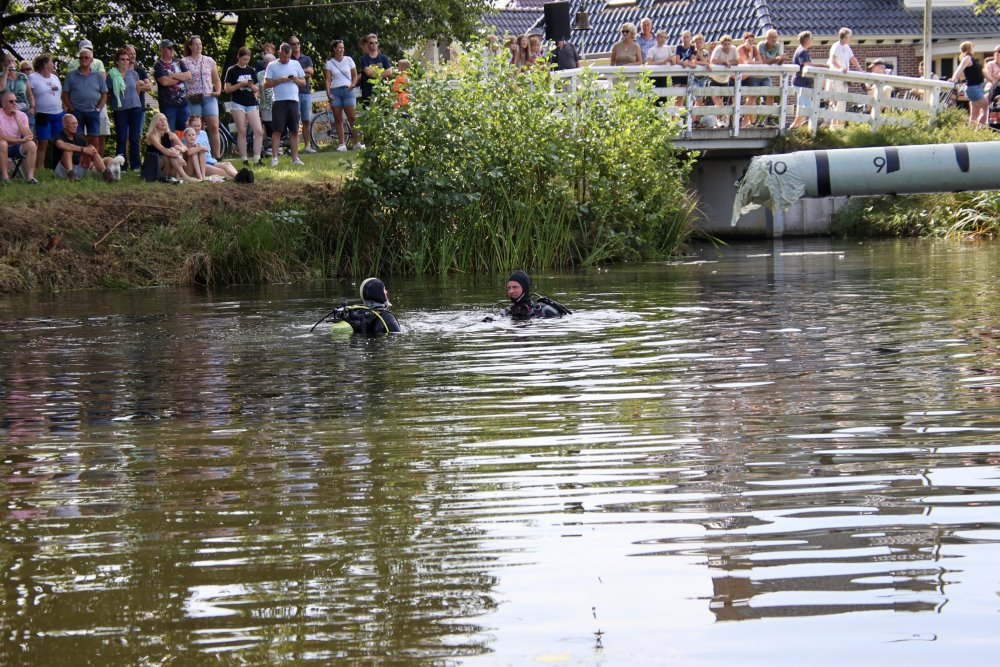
x: 493, y: 168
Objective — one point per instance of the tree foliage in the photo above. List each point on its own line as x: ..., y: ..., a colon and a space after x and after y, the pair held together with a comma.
x: 226, y: 25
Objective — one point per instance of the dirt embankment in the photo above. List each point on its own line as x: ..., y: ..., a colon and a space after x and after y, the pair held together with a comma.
x: 113, y: 237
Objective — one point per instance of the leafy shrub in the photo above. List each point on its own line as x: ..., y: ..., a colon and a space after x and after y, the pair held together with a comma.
x: 494, y: 168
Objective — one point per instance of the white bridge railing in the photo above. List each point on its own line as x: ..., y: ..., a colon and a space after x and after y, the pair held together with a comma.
x: 741, y: 102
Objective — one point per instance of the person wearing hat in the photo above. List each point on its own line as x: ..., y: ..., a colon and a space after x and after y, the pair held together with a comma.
x: 97, y: 65
x: 565, y: 55
x: 878, y: 66
x: 171, y: 75
x: 521, y: 306
x: 373, y: 318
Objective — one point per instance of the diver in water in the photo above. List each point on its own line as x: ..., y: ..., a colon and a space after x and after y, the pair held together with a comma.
x: 372, y: 318
x: 522, y: 307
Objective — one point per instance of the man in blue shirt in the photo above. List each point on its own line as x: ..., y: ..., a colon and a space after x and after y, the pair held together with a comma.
x: 84, y: 94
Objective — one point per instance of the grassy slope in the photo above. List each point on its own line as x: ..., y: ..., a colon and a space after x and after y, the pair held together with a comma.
x: 141, y: 248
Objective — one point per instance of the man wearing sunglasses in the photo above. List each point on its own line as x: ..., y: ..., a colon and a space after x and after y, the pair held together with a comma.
x: 16, y: 139
x: 372, y: 61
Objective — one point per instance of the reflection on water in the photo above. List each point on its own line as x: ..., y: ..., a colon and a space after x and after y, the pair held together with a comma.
x: 803, y: 436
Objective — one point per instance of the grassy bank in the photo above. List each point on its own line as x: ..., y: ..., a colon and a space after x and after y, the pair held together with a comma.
x: 60, y: 235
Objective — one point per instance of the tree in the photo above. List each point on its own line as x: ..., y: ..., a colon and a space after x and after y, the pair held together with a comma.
x: 226, y: 25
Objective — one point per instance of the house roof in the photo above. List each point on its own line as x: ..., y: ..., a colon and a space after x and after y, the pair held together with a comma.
x: 714, y: 18
x: 27, y: 50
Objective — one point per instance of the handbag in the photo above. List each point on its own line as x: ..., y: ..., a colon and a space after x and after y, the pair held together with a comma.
x: 151, y: 166
x: 196, y: 98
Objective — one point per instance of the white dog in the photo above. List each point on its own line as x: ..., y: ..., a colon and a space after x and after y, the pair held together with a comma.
x: 115, y: 167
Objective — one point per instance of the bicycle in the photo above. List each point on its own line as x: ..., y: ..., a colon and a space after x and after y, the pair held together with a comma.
x: 323, y: 130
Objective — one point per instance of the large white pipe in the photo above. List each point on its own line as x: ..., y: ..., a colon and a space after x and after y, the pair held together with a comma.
x: 778, y: 181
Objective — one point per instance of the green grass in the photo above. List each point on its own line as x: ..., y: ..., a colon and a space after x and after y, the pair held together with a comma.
x: 325, y: 167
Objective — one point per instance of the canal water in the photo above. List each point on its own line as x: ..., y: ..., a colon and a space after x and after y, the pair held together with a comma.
x: 764, y: 454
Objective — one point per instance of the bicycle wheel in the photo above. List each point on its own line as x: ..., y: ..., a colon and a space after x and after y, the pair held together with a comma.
x: 323, y: 131
x: 225, y: 141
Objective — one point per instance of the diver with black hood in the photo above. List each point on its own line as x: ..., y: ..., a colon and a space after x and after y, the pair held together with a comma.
x: 522, y: 307
x: 372, y: 318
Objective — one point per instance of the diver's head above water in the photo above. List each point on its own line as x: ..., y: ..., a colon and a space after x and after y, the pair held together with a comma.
x: 519, y: 287
x: 374, y: 293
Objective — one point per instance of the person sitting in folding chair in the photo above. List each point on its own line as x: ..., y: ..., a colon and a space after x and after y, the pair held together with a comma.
x: 16, y: 140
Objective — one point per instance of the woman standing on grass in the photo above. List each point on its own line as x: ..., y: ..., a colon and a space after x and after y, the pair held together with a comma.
x: 124, y: 90
x: 241, y: 84
x: 972, y: 70
x: 47, y: 89
x: 341, y: 78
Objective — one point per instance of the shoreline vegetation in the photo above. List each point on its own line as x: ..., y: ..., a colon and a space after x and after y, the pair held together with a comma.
x: 484, y: 173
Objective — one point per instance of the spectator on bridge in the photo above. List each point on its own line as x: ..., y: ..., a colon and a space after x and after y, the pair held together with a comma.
x: 701, y: 57
x: 626, y: 51
x: 47, y: 89
x: 772, y: 52
x: 535, y: 55
x: 565, y: 55
x: 803, y: 84
x: 685, y: 55
x: 85, y: 95
x: 646, y: 39
x: 15, y: 138
x: 878, y: 66
x: 992, y: 71
x: 841, y: 59
x: 661, y: 54
x: 749, y: 54
x: 971, y: 70
x: 723, y: 55
x: 521, y: 54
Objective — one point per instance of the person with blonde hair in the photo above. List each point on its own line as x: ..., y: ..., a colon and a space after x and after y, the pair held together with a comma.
x: 841, y: 59
x: 970, y: 69
x: 163, y: 145
x: 626, y: 51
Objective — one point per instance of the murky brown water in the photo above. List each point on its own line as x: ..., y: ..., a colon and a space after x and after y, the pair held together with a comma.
x: 786, y: 455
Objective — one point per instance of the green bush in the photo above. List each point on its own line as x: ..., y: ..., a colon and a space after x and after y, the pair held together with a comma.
x: 494, y: 168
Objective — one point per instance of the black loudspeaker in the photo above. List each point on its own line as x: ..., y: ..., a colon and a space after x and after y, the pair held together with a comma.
x: 556, y: 20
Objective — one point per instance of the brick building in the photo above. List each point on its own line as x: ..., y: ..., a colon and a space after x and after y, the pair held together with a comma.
x: 886, y: 29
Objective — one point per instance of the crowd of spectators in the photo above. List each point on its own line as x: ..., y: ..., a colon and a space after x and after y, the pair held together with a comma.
x: 644, y: 46
x: 63, y: 122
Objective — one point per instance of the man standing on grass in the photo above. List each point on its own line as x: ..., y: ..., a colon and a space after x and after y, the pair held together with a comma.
x: 85, y: 93
x: 305, y: 92
x: 285, y: 76
x: 371, y: 62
